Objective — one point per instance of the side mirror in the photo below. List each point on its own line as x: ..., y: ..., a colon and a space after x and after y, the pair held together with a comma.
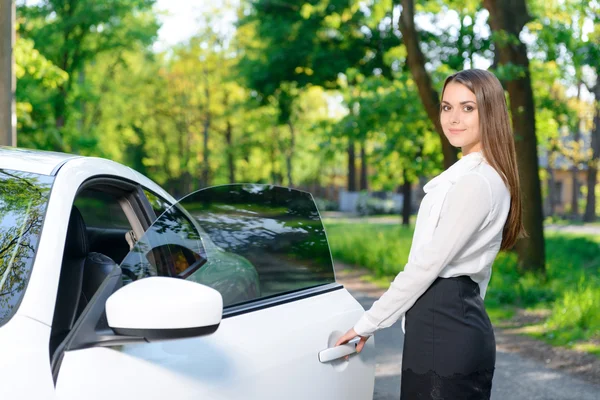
x: 159, y: 308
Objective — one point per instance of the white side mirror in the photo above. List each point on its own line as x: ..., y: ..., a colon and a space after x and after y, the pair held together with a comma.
x: 159, y: 308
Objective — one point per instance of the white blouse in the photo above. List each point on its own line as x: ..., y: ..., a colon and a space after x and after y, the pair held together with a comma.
x: 458, y: 232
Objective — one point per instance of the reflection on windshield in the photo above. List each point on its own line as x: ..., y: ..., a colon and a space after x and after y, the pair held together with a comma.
x: 278, y: 230
x: 23, y: 199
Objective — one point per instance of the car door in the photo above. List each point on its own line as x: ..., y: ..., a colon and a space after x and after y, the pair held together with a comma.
x: 265, y: 250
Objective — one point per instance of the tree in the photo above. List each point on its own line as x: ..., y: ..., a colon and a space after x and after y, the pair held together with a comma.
x: 594, y: 164
x: 72, y: 34
x: 562, y: 38
x: 416, y: 64
x: 295, y: 46
x: 38, y: 78
x: 388, y: 115
x: 507, y: 19
x: 555, y: 116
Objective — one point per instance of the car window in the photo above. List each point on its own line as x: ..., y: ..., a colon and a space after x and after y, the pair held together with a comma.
x: 159, y: 205
x: 170, y: 247
x: 265, y: 235
x: 101, y: 210
x: 23, y: 200
x: 259, y: 241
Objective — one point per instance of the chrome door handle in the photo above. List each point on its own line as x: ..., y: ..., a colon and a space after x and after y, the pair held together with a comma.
x: 333, y: 353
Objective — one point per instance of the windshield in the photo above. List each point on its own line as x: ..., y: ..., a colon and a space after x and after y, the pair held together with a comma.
x: 23, y: 199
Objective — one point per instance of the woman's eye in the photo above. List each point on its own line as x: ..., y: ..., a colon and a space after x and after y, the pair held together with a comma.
x: 445, y: 108
x: 468, y: 108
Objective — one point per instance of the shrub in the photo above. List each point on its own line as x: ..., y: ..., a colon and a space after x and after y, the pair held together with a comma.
x: 575, y: 314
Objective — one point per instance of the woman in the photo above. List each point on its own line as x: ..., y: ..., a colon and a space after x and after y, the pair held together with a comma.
x: 470, y: 212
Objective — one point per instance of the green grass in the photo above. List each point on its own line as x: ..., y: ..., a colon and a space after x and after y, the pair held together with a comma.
x: 570, y: 289
x: 564, y: 221
x: 382, y: 248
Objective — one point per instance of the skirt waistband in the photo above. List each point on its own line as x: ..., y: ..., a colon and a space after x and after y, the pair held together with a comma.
x: 465, y: 281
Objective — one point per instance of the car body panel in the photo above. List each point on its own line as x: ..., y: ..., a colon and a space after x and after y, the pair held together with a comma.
x: 25, y: 366
x: 267, y: 354
x: 38, y: 162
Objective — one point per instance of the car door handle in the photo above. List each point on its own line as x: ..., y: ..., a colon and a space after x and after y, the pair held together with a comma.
x: 333, y: 353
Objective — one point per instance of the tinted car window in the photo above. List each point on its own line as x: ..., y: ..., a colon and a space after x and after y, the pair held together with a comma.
x: 159, y: 205
x: 277, y: 230
x: 101, y: 210
x: 23, y: 200
x: 170, y: 247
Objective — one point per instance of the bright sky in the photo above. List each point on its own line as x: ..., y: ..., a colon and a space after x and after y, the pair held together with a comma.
x: 180, y: 20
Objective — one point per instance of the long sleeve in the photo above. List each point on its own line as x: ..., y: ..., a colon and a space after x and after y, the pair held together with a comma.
x: 466, y: 208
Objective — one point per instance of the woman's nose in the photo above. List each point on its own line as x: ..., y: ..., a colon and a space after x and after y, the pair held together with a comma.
x: 454, y: 118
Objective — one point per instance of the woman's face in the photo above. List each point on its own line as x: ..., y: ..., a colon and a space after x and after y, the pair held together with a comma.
x: 460, y: 118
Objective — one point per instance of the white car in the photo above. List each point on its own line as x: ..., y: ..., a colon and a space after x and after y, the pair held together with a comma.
x: 111, y: 289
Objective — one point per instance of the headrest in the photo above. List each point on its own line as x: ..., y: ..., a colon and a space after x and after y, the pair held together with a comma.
x: 77, y: 241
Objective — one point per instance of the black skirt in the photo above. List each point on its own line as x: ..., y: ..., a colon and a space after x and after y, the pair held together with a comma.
x: 449, y: 345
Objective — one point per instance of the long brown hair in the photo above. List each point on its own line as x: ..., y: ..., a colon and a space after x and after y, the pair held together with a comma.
x: 497, y: 142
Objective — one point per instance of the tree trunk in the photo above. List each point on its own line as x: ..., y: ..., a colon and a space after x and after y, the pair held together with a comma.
x: 416, y: 63
x: 60, y: 119
x: 207, y: 122
x: 551, y: 190
x: 275, y: 175
x: 205, y: 153
x: 185, y: 180
x: 364, y: 183
x: 590, y: 208
x: 290, y: 153
x: 575, y: 166
x: 229, y: 141
x: 510, y: 16
x: 406, y: 200
x: 8, y: 114
x: 351, y: 167
x: 575, y: 193
x: 230, y: 160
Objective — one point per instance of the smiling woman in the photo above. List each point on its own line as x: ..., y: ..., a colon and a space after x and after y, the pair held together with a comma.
x: 460, y: 118
x: 470, y: 212
x: 23, y: 199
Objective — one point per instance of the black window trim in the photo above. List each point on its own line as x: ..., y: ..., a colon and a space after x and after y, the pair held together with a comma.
x: 279, y: 299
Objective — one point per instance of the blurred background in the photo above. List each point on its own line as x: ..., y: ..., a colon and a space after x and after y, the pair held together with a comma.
x: 336, y: 97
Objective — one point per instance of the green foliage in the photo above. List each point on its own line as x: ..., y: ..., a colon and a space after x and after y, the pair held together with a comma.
x: 381, y: 248
x: 571, y: 287
x: 223, y: 105
x: 575, y: 314
x: 71, y: 36
x: 37, y: 79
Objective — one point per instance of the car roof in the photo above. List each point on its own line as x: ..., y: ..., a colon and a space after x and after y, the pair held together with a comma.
x: 33, y: 161
x: 48, y: 163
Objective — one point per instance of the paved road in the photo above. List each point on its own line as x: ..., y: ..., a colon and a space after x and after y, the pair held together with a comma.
x: 516, y: 378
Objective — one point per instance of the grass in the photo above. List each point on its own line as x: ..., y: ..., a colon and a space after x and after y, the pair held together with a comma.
x: 564, y: 221
x: 570, y: 290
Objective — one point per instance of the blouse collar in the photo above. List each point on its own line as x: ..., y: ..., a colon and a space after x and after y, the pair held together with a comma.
x: 456, y: 170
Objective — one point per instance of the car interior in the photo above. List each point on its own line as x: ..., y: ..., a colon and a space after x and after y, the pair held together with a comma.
x: 102, y: 229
